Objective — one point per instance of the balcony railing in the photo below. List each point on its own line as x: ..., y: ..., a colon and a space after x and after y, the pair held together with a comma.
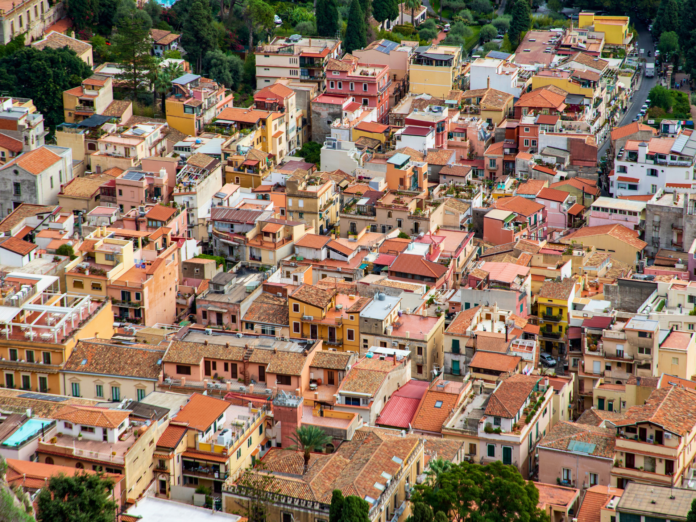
x: 549, y: 317
x: 84, y: 108
x: 551, y: 335
x: 206, y: 473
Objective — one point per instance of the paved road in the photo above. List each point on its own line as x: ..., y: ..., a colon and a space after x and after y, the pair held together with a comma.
x: 644, y: 42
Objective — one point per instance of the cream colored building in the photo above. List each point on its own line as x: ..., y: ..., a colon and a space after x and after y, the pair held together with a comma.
x: 109, y: 371
x: 30, y: 18
x: 436, y: 71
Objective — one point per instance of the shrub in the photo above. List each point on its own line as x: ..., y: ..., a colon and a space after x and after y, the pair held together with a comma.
x: 488, y: 428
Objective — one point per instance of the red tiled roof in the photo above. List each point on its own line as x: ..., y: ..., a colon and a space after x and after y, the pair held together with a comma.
x: 433, y: 410
x: 171, y: 436
x: 576, y: 209
x: 367, y: 126
x: 18, y: 246
x: 619, y: 232
x: 35, y: 161
x: 417, y: 265
x: 10, y: 144
x: 201, y: 411
x: 553, y: 195
x: 597, y: 322
x: 631, y: 128
x: 627, y: 179
x: 494, y: 361
x: 595, y: 499
x: 519, y: 205
x: 312, y: 241
x: 160, y: 213
x: 507, y: 400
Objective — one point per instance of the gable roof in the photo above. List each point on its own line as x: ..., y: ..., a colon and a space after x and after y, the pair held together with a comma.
x: 674, y: 409
x: 595, y: 499
x: 35, y: 161
x: 331, y: 360
x: 86, y: 416
x: 510, y: 395
x: 532, y: 186
x: 11, y: 144
x: 631, y: 128
x: 553, y: 195
x: 417, y: 265
x: 519, y: 205
x: 113, y: 359
x: 494, y: 361
x: 313, y: 295
x: 201, y: 411
x: 403, y: 405
x: 620, y: 232
x: 589, y: 186
x: 18, y: 246
x: 160, y: 213
x: 542, y: 98
x: 34, y: 475
x: 172, y: 436
x: 56, y: 40
x: 434, y: 408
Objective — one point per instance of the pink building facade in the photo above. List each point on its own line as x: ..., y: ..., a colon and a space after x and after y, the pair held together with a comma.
x: 367, y: 83
x: 557, y: 204
x: 608, y: 211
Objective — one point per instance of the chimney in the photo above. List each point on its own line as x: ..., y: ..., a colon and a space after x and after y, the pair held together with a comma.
x: 488, y: 82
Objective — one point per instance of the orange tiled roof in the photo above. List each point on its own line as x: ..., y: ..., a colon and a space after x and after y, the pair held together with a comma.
x: 507, y: 400
x: 631, y: 128
x: 160, y: 213
x: 433, y: 410
x: 553, y: 195
x: 35, y: 161
x: 18, y: 246
x: 519, y: 205
x: 463, y: 320
x: 595, y: 499
x: 201, y: 411
x: 100, y: 417
x: 171, y: 436
x: 313, y: 295
x: 619, y: 232
x: 495, y: 361
x: 674, y: 409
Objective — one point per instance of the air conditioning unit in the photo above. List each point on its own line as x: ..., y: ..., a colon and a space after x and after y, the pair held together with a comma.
x: 208, y: 331
x: 307, y: 318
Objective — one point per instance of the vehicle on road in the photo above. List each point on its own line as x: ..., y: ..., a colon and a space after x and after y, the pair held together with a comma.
x: 446, y: 28
x: 649, y: 70
x: 547, y: 360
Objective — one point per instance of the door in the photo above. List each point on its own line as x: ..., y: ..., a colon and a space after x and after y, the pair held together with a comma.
x: 596, y: 367
x: 643, y: 434
x: 455, y: 367
x: 218, y: 318
x: 659, y: 437
x: 507, y: 455
x: 105, y: 435
x: 262, y: 374
x: 233, y: 370
x: 313, y: 332
x: 600, y: 404
x: 610, y: 406
x: 630, y: 460
x: 207, y: 368
x: 163, y: 487
x: 332, y: 334
x: 330, y: 378
x: 669, y: 467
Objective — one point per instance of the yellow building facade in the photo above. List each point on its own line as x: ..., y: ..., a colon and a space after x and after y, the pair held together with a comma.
x: 615, y: 28
x: 435, y: 77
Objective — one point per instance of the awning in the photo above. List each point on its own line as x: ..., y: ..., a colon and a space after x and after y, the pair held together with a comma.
x: 363, y: 266
x: 574, y: 332
x: 214, y: 309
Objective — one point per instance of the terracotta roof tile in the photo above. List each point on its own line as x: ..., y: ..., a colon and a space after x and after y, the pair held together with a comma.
x: 171, y: 436
x: 417, y: 265
x: 113, y: 359
x: 434, y: 408
x: 507, y: 400
x: 674, y: 409
x: 331, y: 360
x: 631, y: 128
x: 313, y: 295
x: 34, y: 474
x: 595, y: 417
x: 35, y: 161
x: 287, y: 363
x: 440, y: 157
x: 562, y: 435
x: 519, y: 205
x: 100, y: 417
x: 85, y: 187
x: 532, y: 187
x: 619, y: 232
x: 494, y: 361
x: 268, y: 309
x: 57, y: 40
x: 11, y: 144
x: 594, y: 500
x: 201, y: 411
x: 161, y: 213
x: 18, y: 246
x: 557, y: 290
x: 182, y: 352
x: 462, y: 321
x: 553, y: 195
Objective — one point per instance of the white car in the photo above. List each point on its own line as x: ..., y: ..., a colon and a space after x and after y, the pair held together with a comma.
x: 277, y: 20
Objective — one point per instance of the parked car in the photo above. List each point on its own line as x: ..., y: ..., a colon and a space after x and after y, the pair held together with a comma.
x: 547, y: 360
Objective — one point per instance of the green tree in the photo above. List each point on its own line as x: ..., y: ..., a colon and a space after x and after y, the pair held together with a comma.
x: 198, y: 36
x: 250, y: 69
x: 311, y: 151
x: 473, y: 492
x: 383, y: 10
x: 466, y: 16
x: 154, y: 10
x: 107, y: 12
x: 128, y: 10
x: 691, y: 517
x: 412, y: 5
x: 421, y: 513
x: 427, y: 34
x: 43, y: 76
x: 336, y: 508
x: 521, y: 21
x: 77, y: 498
x: 84, y: 13
x: 462, y: 30
x: 488, y: 32
x: 403, y: 235
x: 308, y: 439
x: 259, y: 16
x: 226, y: 69
x: 481, y: 6
x: 355, y: 509
x: 669, y: 45
x: 131, y: 47
x: 502, y: 24
x: 66, y: 250
x: 356, y: 37
x: 437, y: 468
x: 667, y: 18
x: 555, y: 5
x: 327, y: 18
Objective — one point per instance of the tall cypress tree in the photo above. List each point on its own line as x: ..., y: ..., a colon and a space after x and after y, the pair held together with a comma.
x: 356, y: 37
x: 667, y: 18
x: 521, y: 20
x: 131, y: 45
x: 327, y: 18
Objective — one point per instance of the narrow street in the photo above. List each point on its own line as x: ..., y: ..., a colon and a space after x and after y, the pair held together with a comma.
x: 645, y: 84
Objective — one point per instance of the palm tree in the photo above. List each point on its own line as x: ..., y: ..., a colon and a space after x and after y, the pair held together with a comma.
x: 308, y: 439
x: 436, y: 468
x: 163, y: 80
x: 413, y: 5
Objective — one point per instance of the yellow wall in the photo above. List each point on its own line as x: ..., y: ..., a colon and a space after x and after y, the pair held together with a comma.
x: 357, y: 134
x: 609, y: 245
x: 562, y: 83
x: 614, y: 34
x: 436, y: 81
x: 176, y: 118
x: 677, y: 362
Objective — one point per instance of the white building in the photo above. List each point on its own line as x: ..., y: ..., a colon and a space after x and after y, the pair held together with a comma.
x: 496, y: 74
x: 343, y: 155
x: 417, y: 138
x: 35, y: 177
x: 644, y: 167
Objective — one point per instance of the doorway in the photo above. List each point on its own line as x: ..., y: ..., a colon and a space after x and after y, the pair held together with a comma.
x: 262, y: 374
x: 313, y: 331
x: 330, y: 378
x: 163, y: 487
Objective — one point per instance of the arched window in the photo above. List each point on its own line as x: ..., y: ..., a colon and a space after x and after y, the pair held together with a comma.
x: 79, y: 465
x: 49, y: 460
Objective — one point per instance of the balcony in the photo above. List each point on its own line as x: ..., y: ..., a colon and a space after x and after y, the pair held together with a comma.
x: 627, y: 444
x: 204, y: 472
x: 84, y: 108
x: 400, y: 511
x: 553, y: 318
x: 550, y: 335
x: 127, y: 304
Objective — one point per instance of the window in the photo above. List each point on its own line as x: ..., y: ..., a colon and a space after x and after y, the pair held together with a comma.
x: 644, y: 351
x: 75, y: 389
x: 296, y: 308
x: 567, y: 475
x: 646, y: 335
x: 350, y: 334
x: 491, y: 163
x: 88, y: 429
x: 352, y: 401
x: 438, y: 404
x: 17, y: 189
x: 140, y: 393
x: 46, y: 357
x: 364, y: 87
x: 496, y: 421
x: 526, y: 143
x: 296, y: 327
x: 13, y: 354
x: 183, y: 370
x: 96, y: 286
x: 43, y: 384
x: 332, y: 85
x: 419, y: 369
x: 472, y: 449
x: 115, y: 393
x: 420, y: 350
x: 491, y: 450
x: 284, y: 380
x: 99, y: 390
x: 26, y: 382
x: 352, y: 86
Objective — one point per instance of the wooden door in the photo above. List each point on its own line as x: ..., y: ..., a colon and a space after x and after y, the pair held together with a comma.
x: 642, y: 434
x: 630, y: 460
x: 313, y: 331
x: 262, y: 374
x: 330, y: 378
x: 207, y: 368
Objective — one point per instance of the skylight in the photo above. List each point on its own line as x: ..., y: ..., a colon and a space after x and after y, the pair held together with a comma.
x: 438, y: 404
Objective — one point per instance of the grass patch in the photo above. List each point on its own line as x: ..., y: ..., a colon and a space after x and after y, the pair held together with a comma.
x: 435, y: 4
x: 471, y: 42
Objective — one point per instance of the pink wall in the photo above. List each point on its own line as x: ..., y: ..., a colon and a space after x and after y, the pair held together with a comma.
x: 556, y: 218
x: 679, y: 274
x: 154, y: 164
x: 551, y: 464
x: 494, y: 233
x: 232, y: 309
x: 598, y: 218
x: 130, y: 194
x: 196, y: 372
